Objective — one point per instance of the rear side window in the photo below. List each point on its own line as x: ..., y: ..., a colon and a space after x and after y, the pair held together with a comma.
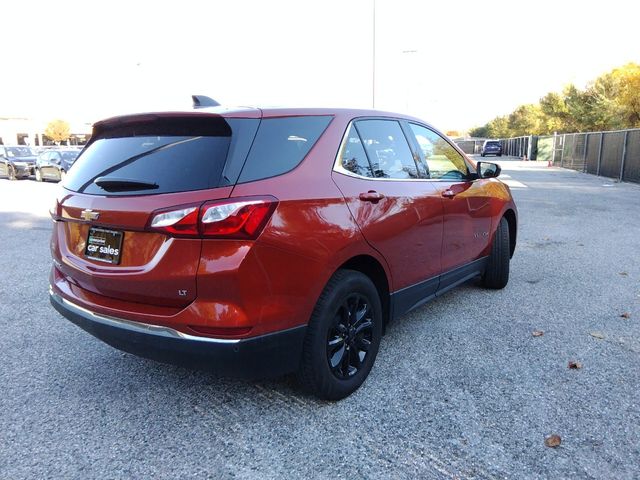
x: 165, y: 157
x: 281, y: 144
x: 387, y: 149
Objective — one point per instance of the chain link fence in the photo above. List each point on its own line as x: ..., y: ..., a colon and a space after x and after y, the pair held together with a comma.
x: 609, y: 154
x: 613, y: 154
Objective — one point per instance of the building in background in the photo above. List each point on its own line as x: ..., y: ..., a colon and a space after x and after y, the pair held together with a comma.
x: 28, y: 131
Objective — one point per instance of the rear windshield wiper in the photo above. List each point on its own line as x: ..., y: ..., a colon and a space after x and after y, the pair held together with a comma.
x: 112, y: 184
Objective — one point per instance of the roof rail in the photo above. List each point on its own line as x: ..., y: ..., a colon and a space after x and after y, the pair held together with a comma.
x: 202, y: 101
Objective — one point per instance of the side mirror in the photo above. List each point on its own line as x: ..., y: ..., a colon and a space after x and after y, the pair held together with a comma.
x: 488, y: 169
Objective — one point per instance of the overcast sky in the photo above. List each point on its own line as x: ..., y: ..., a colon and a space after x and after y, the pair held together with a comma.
x: 454, y: 64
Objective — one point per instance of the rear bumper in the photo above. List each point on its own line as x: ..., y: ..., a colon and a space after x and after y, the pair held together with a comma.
x: 268, y: 355
x: 22, y: 170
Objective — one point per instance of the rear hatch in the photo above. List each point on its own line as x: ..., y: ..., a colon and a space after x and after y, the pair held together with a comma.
x: 134, y: 169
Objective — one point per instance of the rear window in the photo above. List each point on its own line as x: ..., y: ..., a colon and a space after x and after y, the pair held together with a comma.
x: 493, y: 144
x: 172, y: 157
x: 68, y: 156
x: 184, y: 154
x: 18, y: 152
x: 281, y: 144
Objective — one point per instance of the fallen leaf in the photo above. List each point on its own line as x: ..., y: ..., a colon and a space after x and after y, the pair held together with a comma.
x: 574, y: 365
x: 537, y: 333
x: 553, y: 441
x: 597, y: 335
x: 624, y: 274
x: 625, y: 315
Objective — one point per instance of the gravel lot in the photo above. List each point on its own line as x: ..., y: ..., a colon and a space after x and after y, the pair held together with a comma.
x: 460, y: 389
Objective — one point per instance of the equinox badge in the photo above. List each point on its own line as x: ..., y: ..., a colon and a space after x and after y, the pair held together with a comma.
x: 89, y: 214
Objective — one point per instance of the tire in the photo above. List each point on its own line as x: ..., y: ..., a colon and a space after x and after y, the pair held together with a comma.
x: 11, y: 172
x: 496, y: 274
x: 346, y: 318
x: 38, y: 175
x: 499, y: 154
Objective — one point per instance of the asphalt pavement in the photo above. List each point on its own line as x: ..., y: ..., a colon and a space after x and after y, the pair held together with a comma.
x: 461, y: 387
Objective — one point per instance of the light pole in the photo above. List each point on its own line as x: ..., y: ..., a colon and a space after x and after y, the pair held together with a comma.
x: 373, y: 60
x: 408, y: 86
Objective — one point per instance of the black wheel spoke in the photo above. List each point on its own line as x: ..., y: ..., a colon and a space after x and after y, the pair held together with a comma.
x: 361, y: 314
x: 337, y: 358
x: 346, y: 361
x: 363, y: 344
x: 363, y: 327
x: 335, y: 343
x: 356, y: 359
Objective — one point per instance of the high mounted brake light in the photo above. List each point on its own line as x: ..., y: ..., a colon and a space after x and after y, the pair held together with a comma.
x: 237, y: 218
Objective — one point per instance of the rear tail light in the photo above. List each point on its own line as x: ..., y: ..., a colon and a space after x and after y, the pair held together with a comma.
x: 55, y: 210
x: 183, y: 221
x: 238, y: 218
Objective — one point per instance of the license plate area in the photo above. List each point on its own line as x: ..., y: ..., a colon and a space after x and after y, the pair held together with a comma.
x: 104, y: 245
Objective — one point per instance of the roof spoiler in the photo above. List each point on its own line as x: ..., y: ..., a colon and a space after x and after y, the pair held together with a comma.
x: 202, y: 101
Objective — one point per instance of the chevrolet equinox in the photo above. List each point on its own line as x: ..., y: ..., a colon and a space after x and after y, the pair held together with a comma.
x: 259, y: 242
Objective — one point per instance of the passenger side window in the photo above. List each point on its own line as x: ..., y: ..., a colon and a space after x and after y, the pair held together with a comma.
x: 353, y: 157
x: 443, y: 160
x: 387, y: 149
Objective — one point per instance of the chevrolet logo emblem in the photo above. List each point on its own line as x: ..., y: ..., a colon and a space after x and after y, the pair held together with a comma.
x: 89, y: 214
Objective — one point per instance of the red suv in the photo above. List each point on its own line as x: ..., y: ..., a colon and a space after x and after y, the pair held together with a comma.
x: 259, y: 242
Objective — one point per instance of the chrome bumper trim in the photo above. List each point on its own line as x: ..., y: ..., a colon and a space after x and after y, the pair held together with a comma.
x: 133, y: 326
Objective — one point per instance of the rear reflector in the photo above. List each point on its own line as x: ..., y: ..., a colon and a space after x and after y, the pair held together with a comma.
x: 238, y: 218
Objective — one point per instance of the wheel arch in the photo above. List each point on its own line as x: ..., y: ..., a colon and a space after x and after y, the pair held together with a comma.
x: 510, y: 216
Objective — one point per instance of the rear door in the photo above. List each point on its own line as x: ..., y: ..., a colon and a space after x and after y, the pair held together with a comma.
x: 130, y: 170
x: 466, y: 201
x: 398, y: 212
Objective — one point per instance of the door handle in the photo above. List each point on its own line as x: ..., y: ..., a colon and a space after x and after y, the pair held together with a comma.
x: 448, y: 193
x: 371, y: 196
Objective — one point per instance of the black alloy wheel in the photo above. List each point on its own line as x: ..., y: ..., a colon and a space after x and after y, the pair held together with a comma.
x: 343, y: 336
x: 350, y: 337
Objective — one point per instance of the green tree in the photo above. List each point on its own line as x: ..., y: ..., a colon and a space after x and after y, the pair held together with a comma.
x: 58, y: 131
x: 525, y: 120
x: 479, y: 132
x: 610, y: 102
x: 499, y: 128
x: 626, y: 94
x: 554, y: 114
